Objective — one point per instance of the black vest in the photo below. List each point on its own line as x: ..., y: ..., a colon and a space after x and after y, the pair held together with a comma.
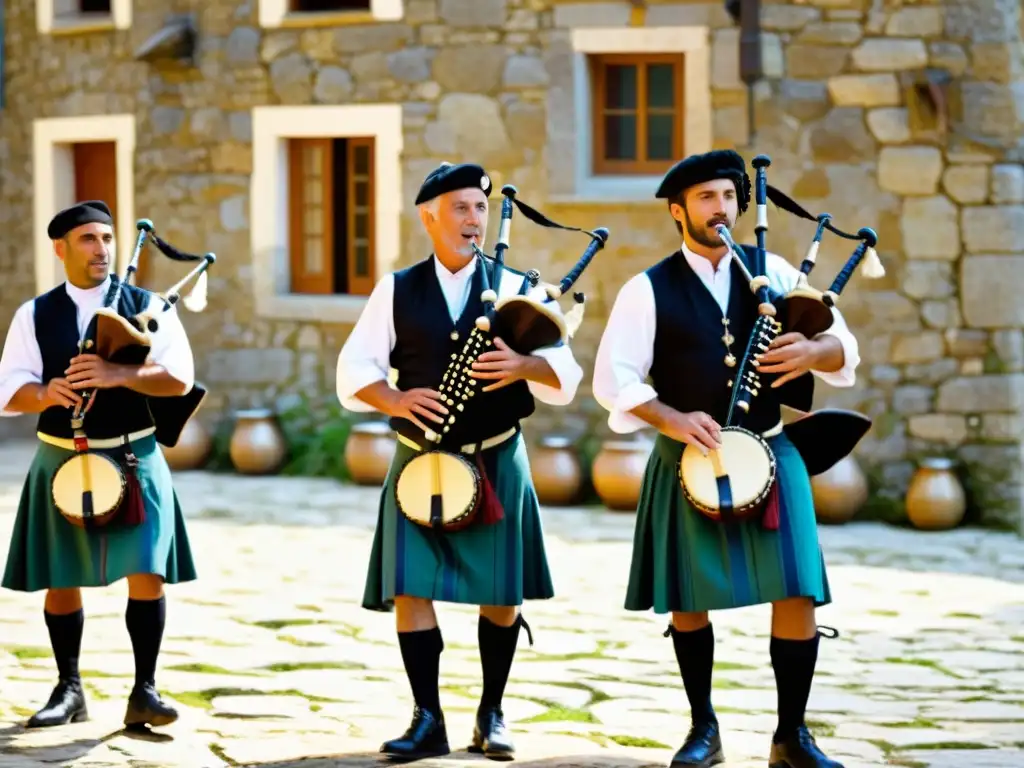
x: 689, y: 371
x: 116, y: 411
x: 424, y: 348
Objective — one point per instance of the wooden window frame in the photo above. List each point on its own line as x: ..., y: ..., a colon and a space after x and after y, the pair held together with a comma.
x: 300, y: 281
x: 361, y: 285
x: 598, y: 63
x: 323, y: 284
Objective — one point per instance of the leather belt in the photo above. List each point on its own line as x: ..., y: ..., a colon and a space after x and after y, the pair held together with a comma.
x: 68, y: 444
x: 469, y: 447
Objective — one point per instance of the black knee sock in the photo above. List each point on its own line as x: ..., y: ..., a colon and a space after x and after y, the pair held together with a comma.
x: 145, y: 620
x: 497, y: 650
x: 421, y: 652
x: 695, y: 653
x: 793, y: 663
x: 66, y: 640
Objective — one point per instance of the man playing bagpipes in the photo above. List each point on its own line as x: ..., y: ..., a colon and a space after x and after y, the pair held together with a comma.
x: 459, y: 520
x: 98, y: 505
x: 700, y: 545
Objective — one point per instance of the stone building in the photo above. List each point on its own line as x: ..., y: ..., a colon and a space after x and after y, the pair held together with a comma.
x: 901, y: 115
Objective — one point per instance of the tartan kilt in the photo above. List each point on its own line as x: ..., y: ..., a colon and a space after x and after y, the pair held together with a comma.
x: 48, y: 552
x: 502, y: 564
x: 682, y: 561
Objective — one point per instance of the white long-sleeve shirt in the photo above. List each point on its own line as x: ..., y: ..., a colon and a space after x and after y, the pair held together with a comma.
x: 626, y: 351
x: 365, y: 356
x: 22, y: 362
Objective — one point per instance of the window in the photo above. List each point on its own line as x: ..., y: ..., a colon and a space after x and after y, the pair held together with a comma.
x: 76, y: 16
x: 638, y: 112
x: 326, y: 201
x: 591, y: 162
x: 89, y: 6
x: 320, y: 6
x: 305, y: 13
x: 82, y: 158
x: 331, y: 216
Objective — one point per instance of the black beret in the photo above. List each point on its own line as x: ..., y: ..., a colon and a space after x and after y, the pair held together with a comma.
x: 89, y: 212
x: 448, y: 178
x: 697, y: 169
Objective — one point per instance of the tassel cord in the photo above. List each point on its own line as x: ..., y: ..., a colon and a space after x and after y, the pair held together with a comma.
x: 770, y: 518
x: 133, y: 509
x: 491, y: 511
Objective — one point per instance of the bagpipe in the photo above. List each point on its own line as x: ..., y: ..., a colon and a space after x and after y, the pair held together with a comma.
x: 440, y: 488
x: 90, y: 488
x: 736, y: 481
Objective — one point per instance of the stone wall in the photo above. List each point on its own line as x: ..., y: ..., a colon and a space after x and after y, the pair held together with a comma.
x: 840, y: 112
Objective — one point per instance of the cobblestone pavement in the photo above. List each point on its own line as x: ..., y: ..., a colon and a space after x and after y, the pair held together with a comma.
x: 273, y: 662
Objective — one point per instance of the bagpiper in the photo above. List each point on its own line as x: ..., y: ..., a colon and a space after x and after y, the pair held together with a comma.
x: 417, y: 321
x: 667, y: 359
x: 44, y: 371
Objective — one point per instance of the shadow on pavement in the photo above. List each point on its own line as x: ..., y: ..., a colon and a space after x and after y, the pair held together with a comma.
x: 365, y: 759
x: 66, y: 752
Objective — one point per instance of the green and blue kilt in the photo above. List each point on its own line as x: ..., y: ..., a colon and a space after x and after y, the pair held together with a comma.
x: 683, y: 561
x: 48, y: 552
x: 500, y: 564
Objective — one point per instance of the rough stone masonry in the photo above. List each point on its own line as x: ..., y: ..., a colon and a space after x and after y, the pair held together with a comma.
x: 846, y: 111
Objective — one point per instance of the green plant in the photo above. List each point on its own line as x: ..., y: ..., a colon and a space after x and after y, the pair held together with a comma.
x: 588, y: 447
x: 220, y: 455
x: 882, y: 504
x: 316, y: 433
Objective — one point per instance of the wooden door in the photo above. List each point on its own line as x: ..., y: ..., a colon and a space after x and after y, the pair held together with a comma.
x: 95, y: 164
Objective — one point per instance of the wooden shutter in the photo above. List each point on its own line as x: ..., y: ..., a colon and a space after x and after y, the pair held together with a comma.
x: 310, y: 202
x: 360, y: 252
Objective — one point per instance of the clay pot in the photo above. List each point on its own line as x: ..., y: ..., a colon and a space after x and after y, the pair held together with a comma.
x: 192, y: 449
x: 618, y: 473
x: 556, y: 470
x: 368, y: 452
x: 935, y: 500
x: 258, y: 445
x: 840, y: 492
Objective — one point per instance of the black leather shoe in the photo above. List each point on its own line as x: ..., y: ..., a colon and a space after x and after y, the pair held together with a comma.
x: 702, y: 748
x: 65, y: 705
x: 145, y: 707
x: 491, y: 736
x: 425, y: 737
x: 799, y: 751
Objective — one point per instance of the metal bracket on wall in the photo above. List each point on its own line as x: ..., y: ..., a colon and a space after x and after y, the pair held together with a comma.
x: 176, y: 40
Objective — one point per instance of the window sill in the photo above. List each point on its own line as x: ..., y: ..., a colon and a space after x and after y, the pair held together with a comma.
x: 311, y: 308
x: 612, y: 190
x: 306, y: 19
x: 82, y: 25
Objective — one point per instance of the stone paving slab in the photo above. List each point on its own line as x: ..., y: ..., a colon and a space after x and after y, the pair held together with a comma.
x: 274, y: 664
